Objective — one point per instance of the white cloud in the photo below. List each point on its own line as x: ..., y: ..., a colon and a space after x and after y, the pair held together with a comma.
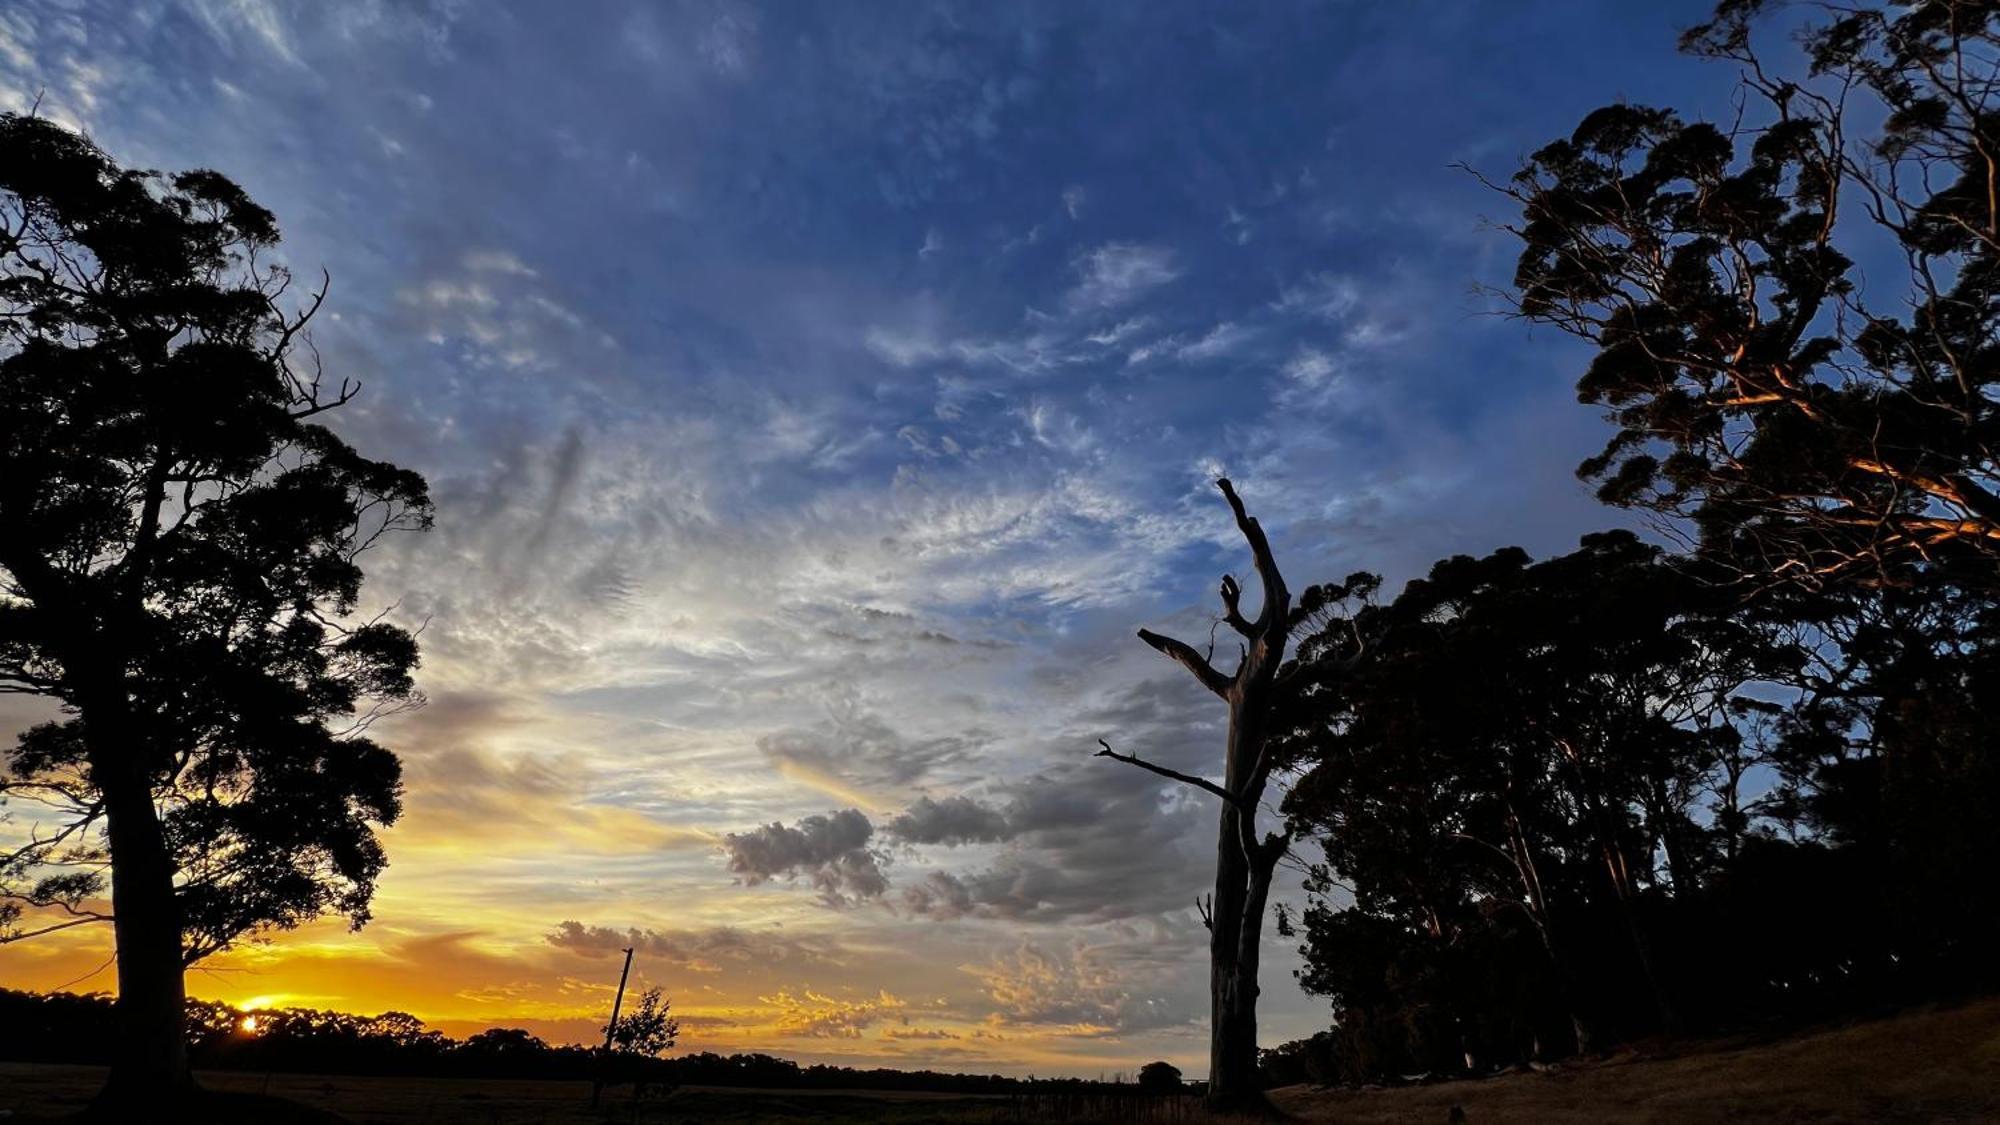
x: 1218, y: 342
x: 904, y: 347
x: 232, y: 20
x: 1327, y: 296
x: 1309, y: 367
x: 1117, y: 272
x: 497, y: 261
x: 1119, y: 332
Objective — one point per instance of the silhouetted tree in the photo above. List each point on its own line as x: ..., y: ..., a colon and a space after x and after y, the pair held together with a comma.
x: 1160, y: 1078
x: 178, y: 566
x: 1810, y: 431
x: 647, y: 1030
x: 1601, y: 796
x: 1519, y: 768
x: 1244, y: 862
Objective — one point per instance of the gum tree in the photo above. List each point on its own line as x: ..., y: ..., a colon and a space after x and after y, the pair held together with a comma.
x: 179, y: 546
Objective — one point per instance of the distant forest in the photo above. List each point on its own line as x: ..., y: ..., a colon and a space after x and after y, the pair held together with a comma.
x: 69, y: 1028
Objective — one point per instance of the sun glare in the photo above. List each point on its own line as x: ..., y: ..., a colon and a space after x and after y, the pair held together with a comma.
x: 250, y: 1025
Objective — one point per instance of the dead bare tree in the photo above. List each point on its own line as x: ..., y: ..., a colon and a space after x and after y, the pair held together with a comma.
x: 1244, y: 863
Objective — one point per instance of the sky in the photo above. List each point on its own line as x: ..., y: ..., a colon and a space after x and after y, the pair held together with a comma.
x: 816, y: 398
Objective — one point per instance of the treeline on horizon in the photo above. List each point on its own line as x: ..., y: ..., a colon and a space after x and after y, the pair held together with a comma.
x: 76, y: 1028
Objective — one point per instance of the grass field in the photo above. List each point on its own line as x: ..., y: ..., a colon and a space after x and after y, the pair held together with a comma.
x: 1939, y: 1065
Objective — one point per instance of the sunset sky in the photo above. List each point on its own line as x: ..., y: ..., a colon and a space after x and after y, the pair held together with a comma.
x: 816, y: 398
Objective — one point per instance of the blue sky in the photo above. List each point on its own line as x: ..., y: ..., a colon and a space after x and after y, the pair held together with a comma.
x: 816, y: 398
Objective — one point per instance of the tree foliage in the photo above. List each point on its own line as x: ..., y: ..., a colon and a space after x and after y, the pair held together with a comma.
x: 1813, y: 427
x: 1160, y: 1077
x: 648, y: 1030
x: 1572, y: 802
x: 180, y: 542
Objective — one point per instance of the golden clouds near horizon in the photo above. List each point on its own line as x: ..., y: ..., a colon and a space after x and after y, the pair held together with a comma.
x: 764, y: 991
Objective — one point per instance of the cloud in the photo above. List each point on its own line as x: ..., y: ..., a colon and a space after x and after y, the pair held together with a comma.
x: 831, y: 852
x: 919, y: 1033
x: 855, y: 754
x: 1073, y: 991
x: 1119, y: 332
x: 812, y: 1015
x: 1309, y: 367
x: 1080, y: 843
x: 1324, y: 296
x: 497, y: 313
x: 954, y: 820
x: 487, y: 770
x: 729, y: 40
x: 233, y: 20
x: 1219, y: 342
x: 710, y: 950
x: 1116, y: 273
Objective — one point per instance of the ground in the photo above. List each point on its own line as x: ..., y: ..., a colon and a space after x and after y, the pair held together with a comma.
x: 1933, y: 1065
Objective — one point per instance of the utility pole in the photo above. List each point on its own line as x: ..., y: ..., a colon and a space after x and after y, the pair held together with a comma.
x: 610, y: 1029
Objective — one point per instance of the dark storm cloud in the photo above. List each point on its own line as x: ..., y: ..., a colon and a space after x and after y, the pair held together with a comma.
x: 1086, y: 843
x: 954, y: 820
x: 830, y: 852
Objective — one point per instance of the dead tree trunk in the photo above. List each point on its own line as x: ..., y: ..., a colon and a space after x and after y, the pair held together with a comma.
x: 1244, y: 863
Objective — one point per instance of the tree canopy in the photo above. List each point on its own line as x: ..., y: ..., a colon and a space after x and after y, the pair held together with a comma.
x: 180, y: 542
x: 1571, y: 802
x: 1795, y: 312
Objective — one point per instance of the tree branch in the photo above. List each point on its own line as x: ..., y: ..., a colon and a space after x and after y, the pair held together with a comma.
x: 6, y: 939
x: 1277, y: 600
x: 1201, y: 783
x: 1232, y: 597
x: 1191, y: 660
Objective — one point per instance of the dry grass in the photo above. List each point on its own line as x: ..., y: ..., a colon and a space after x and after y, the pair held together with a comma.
x: 1938, y: 1065
x: 1933, y: 1066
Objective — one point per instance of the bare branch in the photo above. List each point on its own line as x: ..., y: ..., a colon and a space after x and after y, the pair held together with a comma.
x: 7, y: 939
x: 1277, y: 600
x: 1191, y: 660
x: 1201, y: 783
x: 1232, y: 597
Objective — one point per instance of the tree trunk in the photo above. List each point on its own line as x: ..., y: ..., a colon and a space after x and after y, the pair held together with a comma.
x: 1244, y: 864
x: 1243, y: 870
x: 1233, y: 948
x: 149, y: 1064
x: 1538, y: 915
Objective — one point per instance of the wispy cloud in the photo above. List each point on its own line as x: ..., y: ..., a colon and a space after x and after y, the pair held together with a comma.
x: 1117, y: 273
